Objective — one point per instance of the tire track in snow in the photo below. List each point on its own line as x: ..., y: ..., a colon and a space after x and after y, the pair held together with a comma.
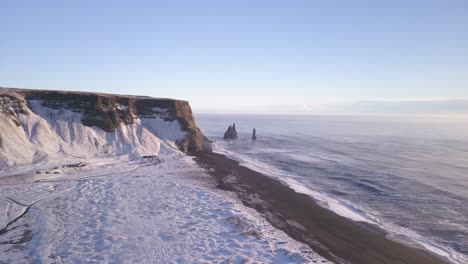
x: 28, y: 206
x: 8, y: 213
x: 75, y: 179
x: 10, y: 222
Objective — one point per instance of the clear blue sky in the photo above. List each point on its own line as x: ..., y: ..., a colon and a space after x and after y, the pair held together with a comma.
x: 232, y: 55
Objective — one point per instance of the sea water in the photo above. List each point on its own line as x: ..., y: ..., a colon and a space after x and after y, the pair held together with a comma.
x: 408, y: 175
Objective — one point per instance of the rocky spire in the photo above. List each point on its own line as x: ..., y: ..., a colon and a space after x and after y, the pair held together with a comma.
x: 254, y: 134
x: 231, y: 132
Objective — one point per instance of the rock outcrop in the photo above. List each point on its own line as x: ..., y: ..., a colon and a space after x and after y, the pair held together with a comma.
x: 106, y: 111
x: 231, y: 133
x: 254, y: 134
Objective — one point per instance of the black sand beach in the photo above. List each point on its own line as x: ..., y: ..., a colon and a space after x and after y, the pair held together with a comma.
x: 334, y: 237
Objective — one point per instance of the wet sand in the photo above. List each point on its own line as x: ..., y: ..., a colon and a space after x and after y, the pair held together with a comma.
x: 334, y: 237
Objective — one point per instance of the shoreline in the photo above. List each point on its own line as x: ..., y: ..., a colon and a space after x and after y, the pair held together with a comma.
x: 334, y: 237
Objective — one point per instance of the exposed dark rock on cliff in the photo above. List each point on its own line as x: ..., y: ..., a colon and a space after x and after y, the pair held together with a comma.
x: 11, y: 103
x: 231, y: 133
x: 254, y: 134
x: 108, y: 111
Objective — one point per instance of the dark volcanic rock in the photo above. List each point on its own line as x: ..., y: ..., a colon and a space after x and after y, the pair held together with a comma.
x: 254, y: 134
x: 108, y: 111
x: 231, y: 133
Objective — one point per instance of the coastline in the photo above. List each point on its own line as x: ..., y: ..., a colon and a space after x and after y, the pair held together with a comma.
x: 336, y: 238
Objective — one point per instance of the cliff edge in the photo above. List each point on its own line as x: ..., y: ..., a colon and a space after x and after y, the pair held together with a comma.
x: 41, y: 122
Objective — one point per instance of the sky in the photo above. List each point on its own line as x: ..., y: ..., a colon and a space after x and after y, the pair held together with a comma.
x: 317, y: 57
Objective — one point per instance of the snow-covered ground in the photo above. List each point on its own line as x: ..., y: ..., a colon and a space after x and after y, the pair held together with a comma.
x: 117, y: 210
x: 76, y: 194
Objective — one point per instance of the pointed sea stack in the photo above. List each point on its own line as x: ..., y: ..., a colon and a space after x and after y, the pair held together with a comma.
x: 254, y: 134
x: 231, y: 133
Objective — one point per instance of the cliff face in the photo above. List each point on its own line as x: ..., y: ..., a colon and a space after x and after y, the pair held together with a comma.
x: 106, y: 112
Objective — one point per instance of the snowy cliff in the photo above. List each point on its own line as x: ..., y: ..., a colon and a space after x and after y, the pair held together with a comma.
x: 37, y: 126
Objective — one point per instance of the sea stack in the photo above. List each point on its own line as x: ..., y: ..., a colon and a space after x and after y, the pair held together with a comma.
x: 231, y: 133
x: 254, y: 134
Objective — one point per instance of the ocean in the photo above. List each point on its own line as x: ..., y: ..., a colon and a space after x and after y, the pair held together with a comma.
x: 407, y: 175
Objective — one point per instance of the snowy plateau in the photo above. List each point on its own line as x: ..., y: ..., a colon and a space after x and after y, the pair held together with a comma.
x: 71, y: 193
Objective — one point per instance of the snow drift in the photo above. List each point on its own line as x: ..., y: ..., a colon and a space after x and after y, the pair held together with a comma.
x: 39, y: 126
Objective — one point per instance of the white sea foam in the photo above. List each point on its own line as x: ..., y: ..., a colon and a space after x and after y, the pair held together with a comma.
x: 342, y: 207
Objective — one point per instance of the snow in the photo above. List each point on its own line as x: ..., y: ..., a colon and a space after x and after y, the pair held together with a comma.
x: 136, y: 211
x: 169, y: 130
x: 72, y: 193
x: 46, y: 134
x: 122, y: 107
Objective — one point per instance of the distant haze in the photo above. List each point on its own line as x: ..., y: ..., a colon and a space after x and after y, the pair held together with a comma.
x: 442, y: 107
